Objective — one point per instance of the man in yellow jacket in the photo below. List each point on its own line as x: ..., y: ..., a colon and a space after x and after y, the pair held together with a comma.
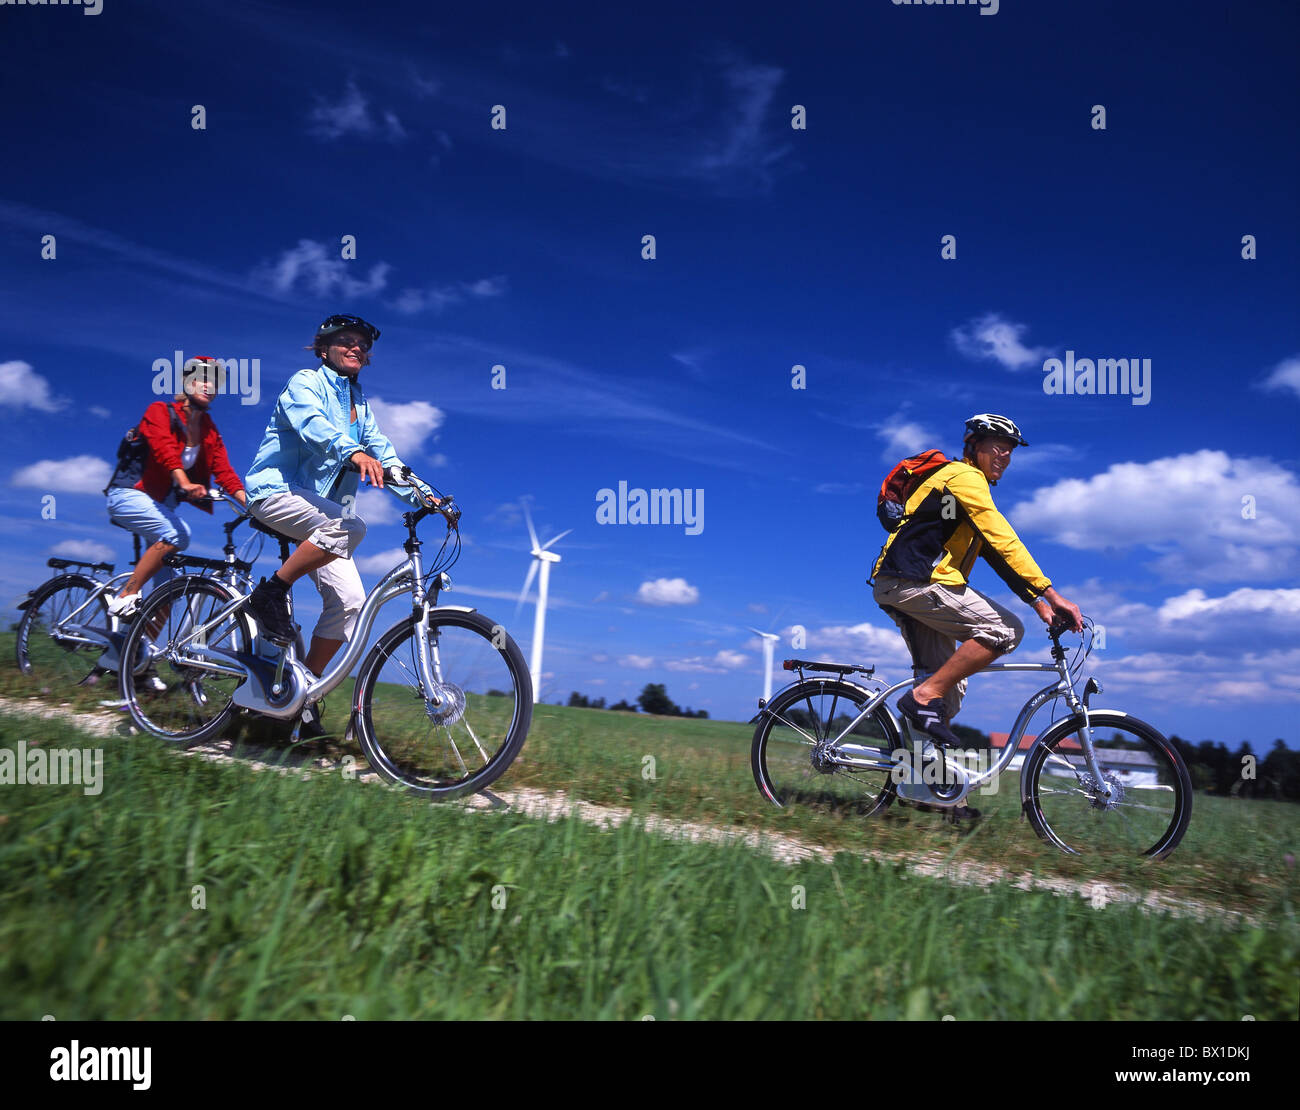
x: 921, y: 577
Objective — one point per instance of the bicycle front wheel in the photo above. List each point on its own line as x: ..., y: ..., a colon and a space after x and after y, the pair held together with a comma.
x: 64, y: 631
x: 791, y: 760
x: 1142, y: 809
x: 170, y: 691
x: 460, y: 736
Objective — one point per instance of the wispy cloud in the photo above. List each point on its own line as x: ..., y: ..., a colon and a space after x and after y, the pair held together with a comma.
x: 1285, y: 376
x: 435, y: 299
x: 314, y: 268
x: 992, y: 337
x: 351, y: 115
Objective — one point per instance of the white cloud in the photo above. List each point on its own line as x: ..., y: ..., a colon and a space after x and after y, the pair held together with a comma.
x: 1213, y: 517
x: 902, y: 440
x: 350, y: 115
x: 375, y: 506
x: 1283, y: 604
x: 100, y: 411
x: 991, y: 337
x: 437, y: 298
x: 637, y: 662
x: 79, y: 474
x: 862, y: 644
x: 1209, y: 678
x: 83, y: 549
x: 668, y: 591
x: 314, y: 268
x: 407, y: 425
x: 1285, y: 375
x: 381, y: 562
x: 722, y: 662
x: 21, y: 387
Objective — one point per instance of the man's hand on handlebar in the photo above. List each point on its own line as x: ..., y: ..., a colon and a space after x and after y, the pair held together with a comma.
x: 1058, y: 613
x: 192, y: 491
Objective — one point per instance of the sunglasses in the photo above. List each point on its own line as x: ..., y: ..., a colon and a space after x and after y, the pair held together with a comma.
x: 348, y: 344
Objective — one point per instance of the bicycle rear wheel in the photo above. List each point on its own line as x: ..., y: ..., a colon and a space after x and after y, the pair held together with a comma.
x: 63, y: 613
x: 463, y: 737
x: 197, y: 700
x: 1150, y: 801
x: 789, y: 759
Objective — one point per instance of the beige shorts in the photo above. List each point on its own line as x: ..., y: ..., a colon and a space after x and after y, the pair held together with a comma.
x: 304, y: 515
x: 933, y: 618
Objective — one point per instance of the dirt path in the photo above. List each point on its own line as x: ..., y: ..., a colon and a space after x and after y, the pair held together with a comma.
x: 553, y: 805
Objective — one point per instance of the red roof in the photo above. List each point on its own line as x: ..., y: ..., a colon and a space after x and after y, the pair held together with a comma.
x: 999, y: 740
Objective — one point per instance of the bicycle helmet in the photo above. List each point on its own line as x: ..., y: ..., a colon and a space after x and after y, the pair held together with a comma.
x: 344, y: 322
x: 203, y: 364
x: 991, y: 424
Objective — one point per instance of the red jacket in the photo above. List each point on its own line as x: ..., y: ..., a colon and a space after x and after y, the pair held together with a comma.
x: 165, y: 454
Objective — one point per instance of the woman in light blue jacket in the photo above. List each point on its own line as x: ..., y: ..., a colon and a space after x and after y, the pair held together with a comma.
x: 300, y: 485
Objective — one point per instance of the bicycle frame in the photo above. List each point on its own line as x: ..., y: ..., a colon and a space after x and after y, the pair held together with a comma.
x: 861, y: 757
x: 276, y: 697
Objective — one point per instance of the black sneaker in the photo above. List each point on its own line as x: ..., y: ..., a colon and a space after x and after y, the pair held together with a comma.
x: 929, y: 718
x: 270, y: 608
x: 309, y: 724
x: 963, y: 816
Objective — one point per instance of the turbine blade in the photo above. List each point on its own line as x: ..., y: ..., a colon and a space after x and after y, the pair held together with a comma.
x: 556, y: 539
x: 528, y: 581
x: 531, y: 531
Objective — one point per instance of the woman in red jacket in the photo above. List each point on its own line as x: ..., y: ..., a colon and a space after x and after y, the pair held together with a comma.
x: 185, y: 453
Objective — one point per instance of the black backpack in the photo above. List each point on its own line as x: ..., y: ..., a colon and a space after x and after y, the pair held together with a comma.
x: 132, y: 454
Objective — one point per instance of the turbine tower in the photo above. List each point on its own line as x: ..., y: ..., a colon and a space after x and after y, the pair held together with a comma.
x: 544, y: 559
x: 769, y: 642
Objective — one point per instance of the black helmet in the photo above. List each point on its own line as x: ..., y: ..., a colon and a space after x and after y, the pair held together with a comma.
x: 343, y: 322
x: 991, y: 424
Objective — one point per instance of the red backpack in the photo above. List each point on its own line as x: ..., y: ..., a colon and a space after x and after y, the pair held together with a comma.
x: 901, y: 482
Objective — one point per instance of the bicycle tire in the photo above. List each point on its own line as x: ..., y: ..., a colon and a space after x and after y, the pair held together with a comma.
x: 782, y: 752
x: 411, y: 753
x: 1148, y: 814
x: 148, y: 710
x: 32, y: 641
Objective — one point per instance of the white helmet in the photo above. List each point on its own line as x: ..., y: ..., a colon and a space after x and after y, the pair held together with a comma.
x: 991, y: 424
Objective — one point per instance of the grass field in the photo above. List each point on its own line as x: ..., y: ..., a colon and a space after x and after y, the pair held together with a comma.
x: 193, y: 890
x: 326, y: 897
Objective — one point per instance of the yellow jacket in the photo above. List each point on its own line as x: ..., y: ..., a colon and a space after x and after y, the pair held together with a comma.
x: 949, y: 521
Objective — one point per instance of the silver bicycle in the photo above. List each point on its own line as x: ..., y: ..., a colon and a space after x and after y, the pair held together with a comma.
x: 68, y: 637
x: 441, y: 704
x: 1098, y: 782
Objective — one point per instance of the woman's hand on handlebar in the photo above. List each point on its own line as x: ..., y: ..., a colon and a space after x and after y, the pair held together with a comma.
x: 192, y: 491
x: 370, y: 469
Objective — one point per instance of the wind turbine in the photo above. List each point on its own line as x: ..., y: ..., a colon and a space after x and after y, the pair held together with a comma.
x: 769, y: 642
x: 544, y: 559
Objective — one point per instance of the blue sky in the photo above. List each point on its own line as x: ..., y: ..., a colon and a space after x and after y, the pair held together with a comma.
x: 775, y: 247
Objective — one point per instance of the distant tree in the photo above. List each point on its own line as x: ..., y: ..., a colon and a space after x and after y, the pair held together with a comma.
x: 654, y: 699
x: 623, y: 707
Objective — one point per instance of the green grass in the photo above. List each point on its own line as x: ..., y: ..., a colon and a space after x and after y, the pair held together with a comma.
x: 1233, y: 854
x: 325, y: 897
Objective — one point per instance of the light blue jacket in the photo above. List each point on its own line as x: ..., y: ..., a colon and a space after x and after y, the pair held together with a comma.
x: 308, y: 439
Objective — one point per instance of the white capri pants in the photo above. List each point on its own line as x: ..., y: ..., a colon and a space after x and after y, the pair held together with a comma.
x: 304, y: 515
